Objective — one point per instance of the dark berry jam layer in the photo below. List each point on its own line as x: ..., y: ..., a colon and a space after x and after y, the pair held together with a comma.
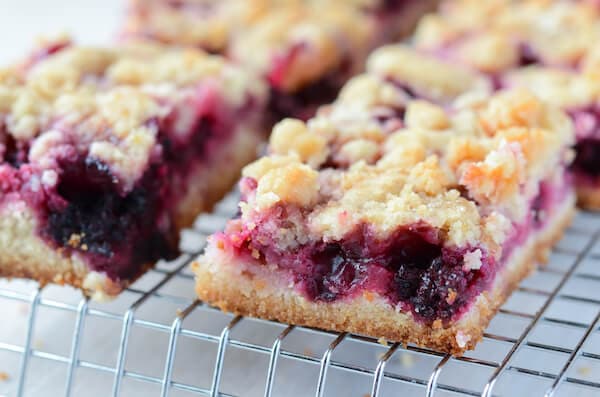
x: 412, y: 267
x: 587, y: 149
x: 587, y: 159
x: 303, y: 103
x: 392, y: 5
x: 527, y: 56
x: 118, y: 232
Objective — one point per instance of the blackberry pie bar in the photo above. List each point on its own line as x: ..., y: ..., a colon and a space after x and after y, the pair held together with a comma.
x: 549, y: 47
x: 106, y: 153
x: 394, y: 217
x: 306, y: 49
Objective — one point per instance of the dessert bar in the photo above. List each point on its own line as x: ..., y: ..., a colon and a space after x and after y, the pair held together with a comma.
x: 394, y: 217
x: 306, y: 49
x: 106, y: 153
x: 549, y: 47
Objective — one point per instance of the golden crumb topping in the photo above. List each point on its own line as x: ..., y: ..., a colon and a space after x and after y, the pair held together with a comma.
x: 306, y: 40
x: 547, y: 46
x: 302, y: 39
x: 558, y: 32
x: 563, y: 88
x: 469, y: 170
x: 430, y: 77
x: 109, y: 101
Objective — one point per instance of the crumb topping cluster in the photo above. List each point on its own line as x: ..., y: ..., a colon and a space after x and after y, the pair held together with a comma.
x: 469, y: 170
x: 427, y: 76
x: 311, y: 37
x: 504, y: 38
x: 109, y: 100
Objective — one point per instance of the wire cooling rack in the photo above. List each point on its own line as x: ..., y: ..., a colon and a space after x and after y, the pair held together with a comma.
x: 157, y: 339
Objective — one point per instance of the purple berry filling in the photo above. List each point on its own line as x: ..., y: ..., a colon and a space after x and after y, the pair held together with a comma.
x: 527, y: 55
x: 304, y: 103
x: 387, y: 6
x: 412, y: 268
x: 587, y: 149
x: 587, y: 160
x: 119, y: 233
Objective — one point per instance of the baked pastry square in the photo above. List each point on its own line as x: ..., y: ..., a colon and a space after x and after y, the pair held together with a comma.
x: 396, y: 218
x: 106, y: 153
x: 306, y: 49
x: 549, y: 47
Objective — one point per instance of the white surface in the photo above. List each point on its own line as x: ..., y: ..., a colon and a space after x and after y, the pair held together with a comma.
x: 89, y: 21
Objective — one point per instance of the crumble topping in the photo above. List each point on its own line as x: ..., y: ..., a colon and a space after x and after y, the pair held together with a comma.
x: 307, y: 39
x: 315, y: 36
x: 559, y: 32
x: 294, y: 183
x: 108, y: 102
x: 430, y: 77
x: 496, y: 149
x: 293, y: 137
x: 425, y: 115
x: 548, y: 47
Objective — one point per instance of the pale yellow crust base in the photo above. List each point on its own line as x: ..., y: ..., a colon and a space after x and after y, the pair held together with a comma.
x: 221, y: 284
x: 25, y: 255
x: 588, y: 197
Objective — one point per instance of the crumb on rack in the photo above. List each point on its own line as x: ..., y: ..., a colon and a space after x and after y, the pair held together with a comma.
x: 382, y: 341
x: 407, y: 360
x: 4, y: 376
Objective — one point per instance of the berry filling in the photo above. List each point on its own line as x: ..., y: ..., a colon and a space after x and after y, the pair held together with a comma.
x: 527, y: 55
x: 412, y: 268
x: 304, y: 102
x: 391, y: 5
x: 587, y: 149
x: 118, y: 232
x: 587, y: 160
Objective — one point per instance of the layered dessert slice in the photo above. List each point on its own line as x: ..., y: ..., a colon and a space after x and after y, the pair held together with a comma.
x: 107, y: 152
x: 306, y: 49
x: 396, y: 218
x: 547, y: 46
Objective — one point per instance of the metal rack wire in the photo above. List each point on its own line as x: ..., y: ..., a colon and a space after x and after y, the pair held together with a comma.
x: 544, y: 341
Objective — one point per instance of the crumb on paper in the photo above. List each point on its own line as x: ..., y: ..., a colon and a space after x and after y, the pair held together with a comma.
x: 308, y: 352
x: 382, y: 341
x: 178, y: 312
x: 4, y: 376
x: 366, y: 395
